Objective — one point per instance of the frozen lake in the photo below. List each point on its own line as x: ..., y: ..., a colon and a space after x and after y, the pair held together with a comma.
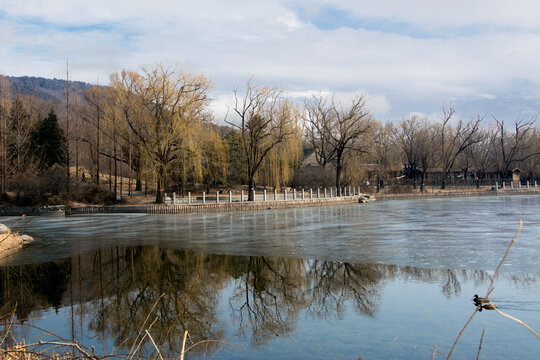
x: 378, y: 280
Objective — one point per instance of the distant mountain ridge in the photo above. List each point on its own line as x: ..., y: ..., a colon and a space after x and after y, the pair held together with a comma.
x: 49, y: 90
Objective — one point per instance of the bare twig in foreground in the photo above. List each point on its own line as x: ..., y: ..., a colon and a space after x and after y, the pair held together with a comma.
x: 480, y: 345
x: 434, y: 352
x: 491, y: 286
x: 183, y: 345
x: 518, y: 321
x: 69, y: 344
x: 154, y: 343
x: 461, y: 333
x: 133, y: 350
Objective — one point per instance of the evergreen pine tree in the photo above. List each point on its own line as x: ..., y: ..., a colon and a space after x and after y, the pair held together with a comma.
x: 49, y: 143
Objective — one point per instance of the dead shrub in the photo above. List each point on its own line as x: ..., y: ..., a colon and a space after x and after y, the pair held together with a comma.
x: 34, y: 188
x: 94, y: 194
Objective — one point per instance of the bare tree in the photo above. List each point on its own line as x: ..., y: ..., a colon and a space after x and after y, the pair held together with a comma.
x: 454, y: 139
x: 516, y: 146
x: 336, y: 131
x: 384, y: 151
x: 482, y: 154
x: 318, y: 117
x: 531, y: 166
x: 18, y: 137
x: 5, y: 95
x: 94, y: 118
x: 264, y: 119
x: 405, y: 136
x: 425, y: 138
x: 68, y: 134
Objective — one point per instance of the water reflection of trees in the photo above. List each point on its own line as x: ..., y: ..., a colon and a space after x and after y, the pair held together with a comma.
x: 177, y: 288
x: 112, y: 292
x: 33, y: 287
x: 334, y: 284
x: 268, y: 295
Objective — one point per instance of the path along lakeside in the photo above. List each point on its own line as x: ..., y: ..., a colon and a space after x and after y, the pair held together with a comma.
x: 212, y: 205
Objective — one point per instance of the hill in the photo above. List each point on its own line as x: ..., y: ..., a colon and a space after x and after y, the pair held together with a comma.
x: 49, y: 90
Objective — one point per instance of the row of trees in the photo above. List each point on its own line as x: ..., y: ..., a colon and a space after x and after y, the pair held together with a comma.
x: 155, y: 126
x: 478, y: 151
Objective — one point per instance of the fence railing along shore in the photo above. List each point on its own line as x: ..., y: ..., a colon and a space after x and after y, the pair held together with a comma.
x: 264, y: 199
x: 236, y: 202
x: 241, y: 196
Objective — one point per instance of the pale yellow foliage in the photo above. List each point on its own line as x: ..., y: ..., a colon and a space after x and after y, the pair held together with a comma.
x: 163, y: 107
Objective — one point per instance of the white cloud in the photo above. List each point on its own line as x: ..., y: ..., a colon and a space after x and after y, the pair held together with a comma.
x: 495, y: 52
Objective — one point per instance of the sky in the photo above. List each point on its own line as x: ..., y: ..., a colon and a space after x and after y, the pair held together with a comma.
x: 406, y: 57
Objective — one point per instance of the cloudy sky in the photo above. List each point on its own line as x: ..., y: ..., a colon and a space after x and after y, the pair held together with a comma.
x: 406, y: 56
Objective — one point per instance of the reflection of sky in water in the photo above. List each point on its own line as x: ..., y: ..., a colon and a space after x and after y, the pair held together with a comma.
x: 464, y: 233
x: 412, y: 312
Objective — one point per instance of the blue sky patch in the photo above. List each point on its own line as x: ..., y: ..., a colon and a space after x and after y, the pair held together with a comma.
x: 331, y: 18
x: 35, y: 25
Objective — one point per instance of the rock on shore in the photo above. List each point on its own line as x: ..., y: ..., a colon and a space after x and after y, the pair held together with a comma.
x: 11, y: 241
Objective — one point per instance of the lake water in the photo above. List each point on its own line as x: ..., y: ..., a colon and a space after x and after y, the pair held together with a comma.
x: 374, y: 281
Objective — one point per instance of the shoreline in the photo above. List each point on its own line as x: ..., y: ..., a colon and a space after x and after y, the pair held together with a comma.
x: 456, y: 194
x: 249, y: 206
x: 217, y: 207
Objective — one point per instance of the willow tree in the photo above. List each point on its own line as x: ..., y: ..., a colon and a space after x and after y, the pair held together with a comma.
x: 159, y: 103
x: 205, y: 156
x: 283, y: 160
x: 264, y: 119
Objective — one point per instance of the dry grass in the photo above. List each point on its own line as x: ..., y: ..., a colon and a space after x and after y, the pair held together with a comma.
x: 12, y: 241
x: 9, y: 243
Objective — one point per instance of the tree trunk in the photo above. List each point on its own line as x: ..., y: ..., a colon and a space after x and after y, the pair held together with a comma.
x: 129, y: 171
x: 98, y: 133
x: 339, y: 168
x: 110, y: 172
x: 115, y: 165
x: 338, y: 177
x: 4, y: 156
x: 146, y: 184
x: 251, y: 186
x: 160, y: 198
x: 443, y: 181
x: 139, y: 175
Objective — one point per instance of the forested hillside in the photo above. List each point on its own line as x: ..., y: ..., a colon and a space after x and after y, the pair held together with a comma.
x: 48, y: 90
